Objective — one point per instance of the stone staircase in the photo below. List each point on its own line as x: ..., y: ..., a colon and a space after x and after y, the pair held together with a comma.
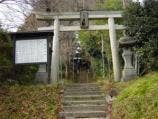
x: 83, y: 101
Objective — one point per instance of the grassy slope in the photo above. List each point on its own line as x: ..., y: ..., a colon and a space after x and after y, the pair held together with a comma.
x: 138, y: 99
x: 28, y: 102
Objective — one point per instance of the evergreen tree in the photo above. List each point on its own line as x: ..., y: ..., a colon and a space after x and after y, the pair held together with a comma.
x: 142, y: 25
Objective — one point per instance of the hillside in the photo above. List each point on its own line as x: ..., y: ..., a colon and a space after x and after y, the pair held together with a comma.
x: 138, y: 99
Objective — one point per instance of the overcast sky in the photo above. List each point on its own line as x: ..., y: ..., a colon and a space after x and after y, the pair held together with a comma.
x: 11, y: 14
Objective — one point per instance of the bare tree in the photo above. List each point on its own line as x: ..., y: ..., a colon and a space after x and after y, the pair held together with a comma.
x: 125, y: 3
x: 13, y: 12
x: 1, y: 1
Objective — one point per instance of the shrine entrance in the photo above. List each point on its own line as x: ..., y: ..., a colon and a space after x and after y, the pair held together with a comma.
x: 83, y: 18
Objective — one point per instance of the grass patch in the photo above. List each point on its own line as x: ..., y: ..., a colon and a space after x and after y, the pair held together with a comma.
x: 29, y: 102
x: 108, y: 85
x: 138, y: 100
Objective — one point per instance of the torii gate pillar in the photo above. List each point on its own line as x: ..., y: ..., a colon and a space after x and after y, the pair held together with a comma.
x: 114, y: 49
x: 55, y: 52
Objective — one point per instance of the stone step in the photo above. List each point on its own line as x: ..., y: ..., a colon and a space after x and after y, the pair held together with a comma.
x: 82, y: 85
x: 91, y: 118
x: 85, y: 108
x: 83, y: 102
x: 81, y: 89
x: 87, y: 118
x: 83, y: 114
x: 84, y: 93
x: 84, y: 97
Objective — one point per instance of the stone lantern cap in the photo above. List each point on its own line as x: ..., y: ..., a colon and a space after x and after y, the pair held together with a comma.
x: 126, y: 41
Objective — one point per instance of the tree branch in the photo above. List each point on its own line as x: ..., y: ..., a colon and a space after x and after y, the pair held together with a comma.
x: 2, y: 1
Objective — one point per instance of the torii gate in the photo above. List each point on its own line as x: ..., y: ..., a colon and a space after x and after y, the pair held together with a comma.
x: 92, y: 15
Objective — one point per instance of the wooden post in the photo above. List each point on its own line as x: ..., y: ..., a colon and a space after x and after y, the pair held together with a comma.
x: 103, y: 62
x: 55, y: 52
x: 114, y: 49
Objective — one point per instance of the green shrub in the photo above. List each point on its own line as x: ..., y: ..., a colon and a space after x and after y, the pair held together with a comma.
x: 9, y: 71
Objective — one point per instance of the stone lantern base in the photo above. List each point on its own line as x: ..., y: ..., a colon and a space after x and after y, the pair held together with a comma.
x: 128, y: 74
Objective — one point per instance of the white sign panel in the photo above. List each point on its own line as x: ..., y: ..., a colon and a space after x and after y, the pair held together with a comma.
x: 31, y: 51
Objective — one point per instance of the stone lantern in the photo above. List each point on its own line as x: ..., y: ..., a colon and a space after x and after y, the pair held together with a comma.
x: 129, y: 72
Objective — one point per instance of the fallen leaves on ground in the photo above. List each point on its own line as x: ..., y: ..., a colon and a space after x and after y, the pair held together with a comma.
x: 29, y: 102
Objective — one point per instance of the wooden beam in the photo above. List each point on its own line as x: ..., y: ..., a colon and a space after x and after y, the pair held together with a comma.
x: 77, y: 28
x: 76, y: 15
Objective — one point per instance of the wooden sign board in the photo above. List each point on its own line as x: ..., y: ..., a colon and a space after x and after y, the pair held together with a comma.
x: 31, y: 51
x: 84, y: 23
x: 31, y: 48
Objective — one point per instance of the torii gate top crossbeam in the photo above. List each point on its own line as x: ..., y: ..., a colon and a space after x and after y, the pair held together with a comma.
x: 76, y: 15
